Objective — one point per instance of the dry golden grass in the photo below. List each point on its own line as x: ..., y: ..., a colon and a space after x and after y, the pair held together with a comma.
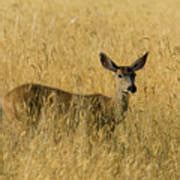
x: 57, y: 43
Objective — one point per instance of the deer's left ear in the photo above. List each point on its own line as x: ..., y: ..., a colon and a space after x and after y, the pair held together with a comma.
x: 139, y: 63
x: 107, y: 62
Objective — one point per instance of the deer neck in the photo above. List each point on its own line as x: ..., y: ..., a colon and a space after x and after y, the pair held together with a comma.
x: 121, y: 101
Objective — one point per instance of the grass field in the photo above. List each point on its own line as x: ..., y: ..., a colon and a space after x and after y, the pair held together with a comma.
x: 56, y: 42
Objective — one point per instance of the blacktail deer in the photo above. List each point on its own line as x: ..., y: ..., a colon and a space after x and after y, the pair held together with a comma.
x: 30, y: 99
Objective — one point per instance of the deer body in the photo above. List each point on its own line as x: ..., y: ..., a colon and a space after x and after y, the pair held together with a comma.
x: 30, y: 99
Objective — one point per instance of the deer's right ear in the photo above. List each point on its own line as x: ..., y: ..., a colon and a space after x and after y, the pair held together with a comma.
x: 139, y: 63
x: 107, y: 62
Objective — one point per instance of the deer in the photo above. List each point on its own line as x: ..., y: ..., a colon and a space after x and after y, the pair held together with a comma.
x: 29, y: 99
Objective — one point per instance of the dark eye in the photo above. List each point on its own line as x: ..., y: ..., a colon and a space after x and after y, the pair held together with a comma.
x: 120, y: 76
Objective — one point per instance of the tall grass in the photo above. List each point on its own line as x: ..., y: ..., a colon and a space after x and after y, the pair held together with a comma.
x: 57, y: 43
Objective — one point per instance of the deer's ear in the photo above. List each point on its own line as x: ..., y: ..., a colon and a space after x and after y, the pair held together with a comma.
x: 139, y: 63
x: 107, y: 62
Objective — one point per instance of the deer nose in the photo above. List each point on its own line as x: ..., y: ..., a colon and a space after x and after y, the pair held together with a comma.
x: 132, y: 88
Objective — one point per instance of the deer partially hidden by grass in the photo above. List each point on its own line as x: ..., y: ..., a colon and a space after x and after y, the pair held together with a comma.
x: 30, y: 99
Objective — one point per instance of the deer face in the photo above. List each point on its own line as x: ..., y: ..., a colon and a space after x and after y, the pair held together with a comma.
x: 125, y: 75
x: 125, y: 79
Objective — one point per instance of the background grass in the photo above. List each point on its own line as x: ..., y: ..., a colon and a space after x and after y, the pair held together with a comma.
x: 56, y: 42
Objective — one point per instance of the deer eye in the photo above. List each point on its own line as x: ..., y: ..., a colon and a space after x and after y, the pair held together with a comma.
x: 120, y: 76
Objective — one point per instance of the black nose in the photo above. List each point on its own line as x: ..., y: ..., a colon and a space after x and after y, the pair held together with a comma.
x: 132, y: 89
